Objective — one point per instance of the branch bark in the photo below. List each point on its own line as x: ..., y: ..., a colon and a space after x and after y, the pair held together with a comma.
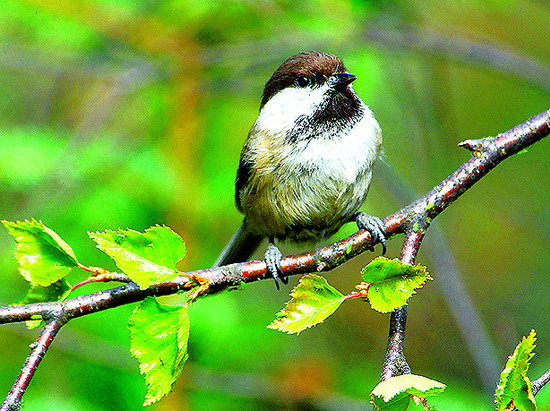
x: 413, y: 220
x: 38, y: 350
x: 540, y: 382
x: 395, y: 362
x: 488, y: 152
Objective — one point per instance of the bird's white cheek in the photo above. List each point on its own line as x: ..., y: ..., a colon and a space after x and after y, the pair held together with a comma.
x: 280, y: 113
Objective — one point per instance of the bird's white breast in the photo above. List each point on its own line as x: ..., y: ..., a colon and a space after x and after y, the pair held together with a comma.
x: 317, y: 183
x: 342, y: 156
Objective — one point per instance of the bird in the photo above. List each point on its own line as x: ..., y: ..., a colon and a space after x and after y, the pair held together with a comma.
x: 306, y: 165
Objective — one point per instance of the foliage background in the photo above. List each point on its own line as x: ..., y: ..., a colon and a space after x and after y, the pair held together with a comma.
x: 132, y: 113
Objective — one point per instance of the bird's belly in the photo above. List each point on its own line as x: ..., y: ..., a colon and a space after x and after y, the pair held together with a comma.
x: 304, y: 202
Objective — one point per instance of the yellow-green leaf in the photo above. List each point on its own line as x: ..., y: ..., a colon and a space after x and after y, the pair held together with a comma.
x: 146, y: 258
x: 394, y: 393
x: 392, y: 282
x: 42, y: 255
x: 159, y: 334
x: 54, y: 292
x: 37, y: 294
x: 514, y: 388
x: 313, y: 300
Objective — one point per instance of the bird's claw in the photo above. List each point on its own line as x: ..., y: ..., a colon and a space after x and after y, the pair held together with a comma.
x: 273, y: 258
x: 375, y: 226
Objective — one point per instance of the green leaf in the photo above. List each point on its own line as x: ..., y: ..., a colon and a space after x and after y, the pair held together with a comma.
x: 159, y: 334
x: 54, y: 292
x: 399, y: 403
x: 313, y: 300
x: 392, y: 282
x: 42, y: 255
x: 514, y: 388
x: 394, y: 393
x: 37, y: 294
x: 146, y: 258
x: 34, y: 323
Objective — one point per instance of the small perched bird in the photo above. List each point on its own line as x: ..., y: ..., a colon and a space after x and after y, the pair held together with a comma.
x: 307, y: 163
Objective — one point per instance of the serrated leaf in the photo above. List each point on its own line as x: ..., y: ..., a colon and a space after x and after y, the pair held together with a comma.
x: 394, y: 393
x: 313, y: 300
x: 159, y: 334
x: 42, y: 255
x: 392, y: 282
x: 514, y: 388
x: 38, y: 294
x: 146, y: 258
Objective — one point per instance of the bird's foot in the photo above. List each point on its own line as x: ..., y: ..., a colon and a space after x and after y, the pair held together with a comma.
x: 273, y: 258
x: 375, y: 226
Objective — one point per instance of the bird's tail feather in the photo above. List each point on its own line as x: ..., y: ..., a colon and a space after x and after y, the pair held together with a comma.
x: 241, y: 246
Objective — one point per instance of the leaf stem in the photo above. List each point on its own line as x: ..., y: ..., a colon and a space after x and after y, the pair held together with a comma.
x: 102, y: 278
x: 355, y: 295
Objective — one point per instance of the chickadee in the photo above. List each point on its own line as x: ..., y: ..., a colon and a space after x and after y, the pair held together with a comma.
x: 306, y: 165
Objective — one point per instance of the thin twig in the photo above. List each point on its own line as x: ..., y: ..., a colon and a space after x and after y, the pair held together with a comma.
x: 487, y: 151
x: 395, y: 362
x: 39, y: 348
x: 540, y: 382
x: 461, y: 49
x: 466, y: 315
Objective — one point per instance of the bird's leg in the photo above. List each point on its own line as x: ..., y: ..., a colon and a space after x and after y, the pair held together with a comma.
x: 273, y: 258
x: 375, y: 226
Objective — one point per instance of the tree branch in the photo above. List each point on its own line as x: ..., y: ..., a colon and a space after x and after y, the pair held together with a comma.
x: 38, y: 350
x: 540, y: 382
x: 412, y: 221
x: 439, y: 257
x: 326, y: 258
x: 395, y: 362
x: 409, y: 37
x: 489, y: 152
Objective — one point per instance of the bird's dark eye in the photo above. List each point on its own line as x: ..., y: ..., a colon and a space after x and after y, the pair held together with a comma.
x: 302, y: 81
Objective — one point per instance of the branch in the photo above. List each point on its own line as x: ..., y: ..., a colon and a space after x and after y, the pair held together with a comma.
x: 412, y: 221
x: 487, y: 156
x: 540, y: 382
x: 38, y: 350
x: 395, y: 362
x: 441, y: 261
x: 409, y: 37
x: 489, y: 151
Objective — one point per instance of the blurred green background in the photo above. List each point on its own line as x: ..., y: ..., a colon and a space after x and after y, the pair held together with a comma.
x: 133, y: 113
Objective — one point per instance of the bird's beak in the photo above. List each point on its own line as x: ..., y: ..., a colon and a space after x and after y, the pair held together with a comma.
x: 341, y: 80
